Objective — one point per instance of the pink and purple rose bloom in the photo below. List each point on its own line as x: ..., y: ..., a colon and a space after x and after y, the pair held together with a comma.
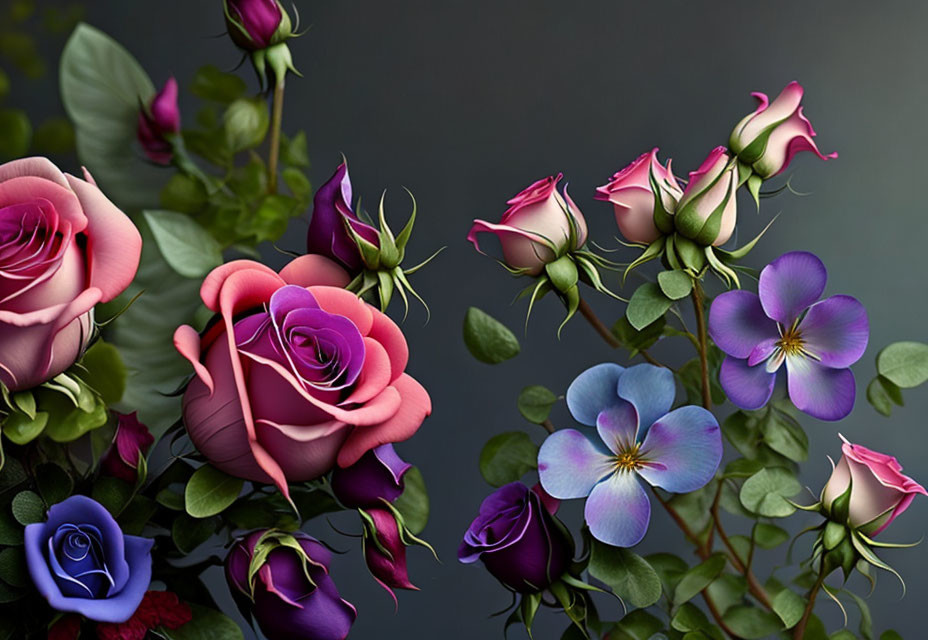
x: 518, y: 539
x: 539, y: 227
x: 158, y: 121
x: 64, y: 247
x: 81, y: 561
x: 638, y: 441
x: 786, y: 323
x: 880, y: 492
x: 768, y: 139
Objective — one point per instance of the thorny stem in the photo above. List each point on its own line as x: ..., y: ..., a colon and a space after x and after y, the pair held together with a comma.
x: 587, y: 311
x: 277, y: 112
x: 698, y: 305
x: 800, y: 629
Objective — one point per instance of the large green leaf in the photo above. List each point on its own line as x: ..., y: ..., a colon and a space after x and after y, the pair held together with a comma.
x: 766, y: 492
x: 413, y: 504
x: 102, y: 87
x: 210, y: 491
x: 628, y: 575
x: 186, y: 246
x: 487, y: 338
x: 507, y: 457
x: 905, y: 364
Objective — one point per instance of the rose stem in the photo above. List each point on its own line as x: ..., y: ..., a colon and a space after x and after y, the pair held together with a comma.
x: 800, y: 629
x: 277, y: 113
x: 757, y: 590
x: 698, y: 300
x: 604, y: 332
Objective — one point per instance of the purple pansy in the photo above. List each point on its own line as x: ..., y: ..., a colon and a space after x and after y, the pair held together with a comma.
x: 787, y: 323
x: 81, y: 562
x: 638, y: 439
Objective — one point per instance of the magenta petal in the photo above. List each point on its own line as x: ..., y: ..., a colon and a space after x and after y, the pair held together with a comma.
x: 618, y: 426
x: 570, y: 464
x: 820, y: 391
x: 737, y: 323
x: 790, y: 284
x: 685, y: 448
x: 747, y: 387
x: 618, y: 510
x: 836, y: 331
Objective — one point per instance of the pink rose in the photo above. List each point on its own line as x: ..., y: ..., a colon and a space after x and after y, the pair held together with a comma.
x: 707, y: 212
x: 632, y: 193
x: 296, y: 375
x: 63, y: 248
x: 879, y: 490
x: 539, y: 227
x: 769, y: 138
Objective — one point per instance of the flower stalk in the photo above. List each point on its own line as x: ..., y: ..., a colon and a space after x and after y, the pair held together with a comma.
x: 277, y: 112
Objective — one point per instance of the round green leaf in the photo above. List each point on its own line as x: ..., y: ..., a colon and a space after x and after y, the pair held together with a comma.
x: 675, y: 284
x: 789, y: 605
x: 769, y: 536
x: 246, y: 122
x: 766, y: 492
x: 647, y: 304
x: 210, y: 491
x: 15, y: 133
x: 905, y: 364
x: 627, y: 574
x: 21, y: 429
x: 54, y: 136
x: 487, y: 338
x: 28, y: 508
x: 507, y: 457
x: 413, y: 504
x: 535, y: 403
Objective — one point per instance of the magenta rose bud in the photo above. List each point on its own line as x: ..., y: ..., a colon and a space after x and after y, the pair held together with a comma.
x: 328, y: 234
x: 376, y: 477
x: 768, y: 139
x: 158, y: 120
x: 880, y: 492
x: 519, y: 541
x: 63, y: 248
x: 386, y: 556
x: 292, y: 596
x: 707, y: 212
x: 256, y: 24
x: 133, y: 440
x: 632, y: 193
x: 539, y: 227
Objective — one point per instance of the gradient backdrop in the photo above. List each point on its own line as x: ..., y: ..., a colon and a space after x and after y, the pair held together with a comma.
x: 465, y: 103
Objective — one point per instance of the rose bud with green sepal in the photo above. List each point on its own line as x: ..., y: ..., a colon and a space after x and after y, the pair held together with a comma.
x: 262, y: 28
x: 159, y: 120
x: 707, y: 211
x: 385, y: 542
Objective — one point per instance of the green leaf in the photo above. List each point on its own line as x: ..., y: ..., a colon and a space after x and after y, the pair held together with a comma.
x: 53, y: 482
x: 54, y: 136
x: 789, y: 605
x: 635, y: 340
x: 245, y: 122
x: 413, y: 504
x: 675, y: 284
x: 170, y: 499
x: 769, y: 536
x: 293, y: 151
x: 12, y: 474
x: 102, y: 86
x: 186, y: 246
x: 13, y: 569
x: 112, y: 493
x: 669, y: 568
x: 506, y: 457
x: 752, y: 623
x: 209, y: 491
x: 628, y: 575
x: 728, y: 590
x: 905, y: 364
x: 210, y: 83
x: 889, y: 634
x: 136, y: 515
x: 535, y: 403
x: 207, y: 624
x: 637, y: 625
x: 28, y: 507
x: 184, y: 194
x: 21, y: 429
x: 882, y: 393
x: 68, y: 426
x: 698, y: 578
x: 298, y: 183
x: 866, y: 619
x: 647, y: 304
x: 842, y: 634
x: 104, y: 371
x: 785, y: 435
x: 189, y: 533
x: 688, y: 618
x: 766, y: 492
x: 15, y: 133
x: 487, y: 338
x: 11, y: 532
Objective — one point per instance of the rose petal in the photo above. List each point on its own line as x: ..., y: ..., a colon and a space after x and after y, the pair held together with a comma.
x: 187, y: 343
x: 311, y: 270
x: 36, y: 167
x: 212, y: 284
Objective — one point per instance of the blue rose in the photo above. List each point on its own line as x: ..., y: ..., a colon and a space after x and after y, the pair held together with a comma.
x: 81, y: 561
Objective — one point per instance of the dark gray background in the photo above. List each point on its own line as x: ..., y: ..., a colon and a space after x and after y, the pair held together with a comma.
x: 465, y: 103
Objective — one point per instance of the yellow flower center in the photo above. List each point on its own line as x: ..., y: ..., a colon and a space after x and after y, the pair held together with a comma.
x: 791, y: 342
x: 629, y: 459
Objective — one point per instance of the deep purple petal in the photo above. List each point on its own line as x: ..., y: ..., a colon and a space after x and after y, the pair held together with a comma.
x: 737, y: 323
x: 836, y: 331
x: 570, y: 464
x: 790, y: 284
x: 685, y: 447
x: 290, y: 298
x: 592, y: 391
x: 618, y: 510
x: 651, y: 390
x: 820, y: 391
x: 618, y: 426
x: 747, y: 387
x: 321, y: 615
x: 377, y: 476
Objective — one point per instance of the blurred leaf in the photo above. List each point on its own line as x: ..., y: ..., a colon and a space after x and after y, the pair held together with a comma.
x: 4, y: 84
x: 184, y: 193
x: 210, y: 83
x: 53, y: 482
x: 413, y: 504
x: 293, y: 151
x: 112, y: 493
x: 11, y: 532
x: 269, y: 221
x: 54, y: 136
x: 20, y: 49
x: 185, y: 245
x: 15, y: 133
x: 535, y: 403
x: 246, y: 123
x: 104, y: 371
x: 209, y: 491
x: 507, y: 457
x: 628, y: 575
x: 905, y: 364
x: 136, y: 515
x: 487, y: 338
x: 769, y: 536
x: 13, y: 570
x: 882, y: 394
x: 647, y: 304
x: 765, y: 492
x: 207, y: 624
x: 298, y: 184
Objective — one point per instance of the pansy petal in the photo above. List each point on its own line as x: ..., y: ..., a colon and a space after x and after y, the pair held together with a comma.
x: 618, y: 426
x: 570, y: 464
x: 651, y: 390
x: 820, y: 391
x: 684, y: 449
x: 747, y: 387
x: 592, y: 391
x: 836, y: 331
x: 618, y: 510
x: 790, y: 284
x: 737, y: 323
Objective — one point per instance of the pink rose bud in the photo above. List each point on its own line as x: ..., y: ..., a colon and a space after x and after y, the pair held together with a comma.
x: 157, y: 121
x: 256, y: 24
x: 707, y: 212
x: 879, y: 490
x: 769, y: 138
x: 133, y: 441
x: 386, y: 556
x: 631, y: 191
x: 539, y: 227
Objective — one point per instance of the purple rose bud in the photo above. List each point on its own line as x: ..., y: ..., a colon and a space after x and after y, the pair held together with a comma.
x: 81, y: 562
x: 256, y: 24
x: 292, y: 596
x: 386, y: 555
x: 520, y: 542
x: 157, y: 120
x: 377, y: 476
x: 132, y: 443
x: 328, y: 235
